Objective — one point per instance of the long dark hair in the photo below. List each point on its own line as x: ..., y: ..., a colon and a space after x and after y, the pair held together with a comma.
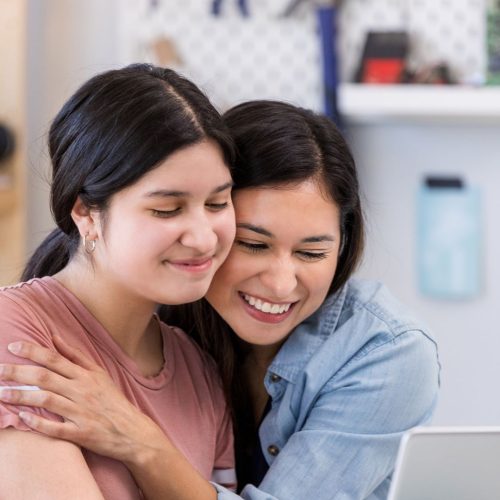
x: 115, y: 128
x: 277, y: 144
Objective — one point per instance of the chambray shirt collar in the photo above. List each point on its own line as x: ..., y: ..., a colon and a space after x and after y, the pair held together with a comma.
x: 307, y: 337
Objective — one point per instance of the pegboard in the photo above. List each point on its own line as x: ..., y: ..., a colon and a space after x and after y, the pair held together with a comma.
x: 270, y: 56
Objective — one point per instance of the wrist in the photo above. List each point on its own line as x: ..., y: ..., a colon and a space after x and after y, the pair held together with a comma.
x: 148, y: 451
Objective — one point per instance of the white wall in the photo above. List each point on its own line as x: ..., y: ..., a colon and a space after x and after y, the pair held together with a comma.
x: 393, y: 158
x: 71, y: 40
x: 68, y: 41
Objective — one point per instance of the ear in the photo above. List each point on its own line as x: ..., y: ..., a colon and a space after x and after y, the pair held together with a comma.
x: 85, y: 219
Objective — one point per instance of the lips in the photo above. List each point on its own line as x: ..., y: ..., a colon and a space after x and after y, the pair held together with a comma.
x: 262, y: 310
x: 192, y: 265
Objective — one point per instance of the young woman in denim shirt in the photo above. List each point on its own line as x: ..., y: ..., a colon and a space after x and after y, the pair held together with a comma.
x: 324, y: 372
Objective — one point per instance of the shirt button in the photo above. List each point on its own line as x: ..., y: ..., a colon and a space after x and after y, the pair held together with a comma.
x: 273, y: 450
x: 275, y: 378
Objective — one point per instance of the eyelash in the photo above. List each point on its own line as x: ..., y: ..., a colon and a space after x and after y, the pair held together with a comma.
x: 260, y: 247
x: 253, y: 247
x: 165, y: 214
x: 217, y: 206
x: 313, y: 255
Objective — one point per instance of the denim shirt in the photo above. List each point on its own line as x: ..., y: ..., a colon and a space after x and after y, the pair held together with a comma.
x: 345, y: 386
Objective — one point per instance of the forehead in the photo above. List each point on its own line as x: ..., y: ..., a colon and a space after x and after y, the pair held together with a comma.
x: 197, y: 167
x: 301, y: 208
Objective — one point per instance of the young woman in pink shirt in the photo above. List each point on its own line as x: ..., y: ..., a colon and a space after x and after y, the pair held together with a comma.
x: 141, y: 195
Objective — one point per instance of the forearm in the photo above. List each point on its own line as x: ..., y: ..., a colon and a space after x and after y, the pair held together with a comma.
x: 163, y: 473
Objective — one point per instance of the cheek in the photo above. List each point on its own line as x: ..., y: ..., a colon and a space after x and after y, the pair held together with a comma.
x: 227, y: 277
x: 226, y: 230
x: 319, y: 280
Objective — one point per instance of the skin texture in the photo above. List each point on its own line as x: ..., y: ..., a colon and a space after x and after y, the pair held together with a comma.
x: 285, y: 252
x: 37, y: 454
x: 183, y: 213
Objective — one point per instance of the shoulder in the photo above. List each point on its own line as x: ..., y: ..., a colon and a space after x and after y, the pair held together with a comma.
x: 23, y: 298
x: 27, y: 310
x: 366, y: 320
x: 377, y: 346
x: 370, y: 306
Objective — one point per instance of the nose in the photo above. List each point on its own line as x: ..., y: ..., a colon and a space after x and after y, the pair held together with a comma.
x: 199, y: 234
x: 280, y: 278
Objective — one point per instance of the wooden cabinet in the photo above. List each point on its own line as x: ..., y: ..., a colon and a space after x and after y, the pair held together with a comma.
x: 12, y: 114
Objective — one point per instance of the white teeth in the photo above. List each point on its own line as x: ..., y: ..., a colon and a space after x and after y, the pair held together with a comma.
x: 266, y: 307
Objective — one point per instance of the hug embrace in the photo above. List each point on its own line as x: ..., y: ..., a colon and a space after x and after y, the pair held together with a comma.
x: 191, y: 329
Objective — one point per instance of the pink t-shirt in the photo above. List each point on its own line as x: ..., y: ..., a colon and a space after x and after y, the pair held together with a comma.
x: 185, y: 399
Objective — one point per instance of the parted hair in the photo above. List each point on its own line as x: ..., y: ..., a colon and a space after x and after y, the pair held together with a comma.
x: 277, y: 145
x: 114, y: 129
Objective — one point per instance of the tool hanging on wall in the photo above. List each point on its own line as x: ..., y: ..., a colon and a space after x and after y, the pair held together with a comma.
x: 165, y: 52
x: 6, y: 142
x: 292, y: 7
x: 326, y: 12
x: 242, y: 6
x: 327, y: 21
x: 449, y: 246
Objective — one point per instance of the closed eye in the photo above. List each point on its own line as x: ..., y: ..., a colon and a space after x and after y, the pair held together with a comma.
x: 312, y: 255
x: 165, y: 213
x: 217, y: 206
x: 252, y: 247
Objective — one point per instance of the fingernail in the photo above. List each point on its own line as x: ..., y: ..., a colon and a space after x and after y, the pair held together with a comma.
x: 14, y: 347
x: 25, y: 416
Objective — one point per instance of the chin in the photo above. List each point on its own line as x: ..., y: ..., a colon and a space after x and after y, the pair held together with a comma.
x: 186, y: 297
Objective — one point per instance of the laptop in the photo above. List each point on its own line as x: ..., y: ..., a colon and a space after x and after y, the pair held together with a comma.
x: 448, y: 463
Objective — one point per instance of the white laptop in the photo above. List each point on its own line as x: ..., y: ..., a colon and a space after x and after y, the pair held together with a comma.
x: 448, y: 463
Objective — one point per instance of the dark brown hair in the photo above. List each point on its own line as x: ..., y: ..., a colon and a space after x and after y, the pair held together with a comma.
x: 115, y: 128
x: 277, y: 145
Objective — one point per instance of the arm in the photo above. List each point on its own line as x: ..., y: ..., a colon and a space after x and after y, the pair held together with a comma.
x: 99, y: 417
x: 32, y: 465
x: 348, y: 442
x: 35, y: 466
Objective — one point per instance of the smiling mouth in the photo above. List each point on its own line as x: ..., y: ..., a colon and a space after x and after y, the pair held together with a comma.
x: 267, y: 307
x: 193, y: 265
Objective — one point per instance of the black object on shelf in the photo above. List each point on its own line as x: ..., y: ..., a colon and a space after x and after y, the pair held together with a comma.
x: 384, y: 57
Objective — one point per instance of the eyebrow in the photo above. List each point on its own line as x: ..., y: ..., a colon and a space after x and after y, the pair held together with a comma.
x: 165, y: 193
x: 260, y: 230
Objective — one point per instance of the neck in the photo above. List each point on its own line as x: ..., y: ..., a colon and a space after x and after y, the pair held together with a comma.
x: 262, y: 356
x: 128, y: 320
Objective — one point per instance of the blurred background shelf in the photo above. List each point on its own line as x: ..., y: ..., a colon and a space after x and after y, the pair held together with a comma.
x: 435, y: 103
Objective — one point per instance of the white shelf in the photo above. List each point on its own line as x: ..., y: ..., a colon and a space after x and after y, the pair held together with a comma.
x: 361, y: 103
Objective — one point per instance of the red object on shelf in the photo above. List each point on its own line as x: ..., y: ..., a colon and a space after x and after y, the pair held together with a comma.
x: 382, y: 70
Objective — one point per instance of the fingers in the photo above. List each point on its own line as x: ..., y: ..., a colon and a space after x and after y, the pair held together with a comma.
x: 59, y: 430
x: 32, y: 375
x: 40, y: 399
x: 45, y: 357
x: 73, y: 354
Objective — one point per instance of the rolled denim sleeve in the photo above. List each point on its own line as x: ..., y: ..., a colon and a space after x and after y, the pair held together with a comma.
x: 346, y: 447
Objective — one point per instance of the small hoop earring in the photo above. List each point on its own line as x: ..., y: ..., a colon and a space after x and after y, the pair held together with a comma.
x: 89, y: 245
